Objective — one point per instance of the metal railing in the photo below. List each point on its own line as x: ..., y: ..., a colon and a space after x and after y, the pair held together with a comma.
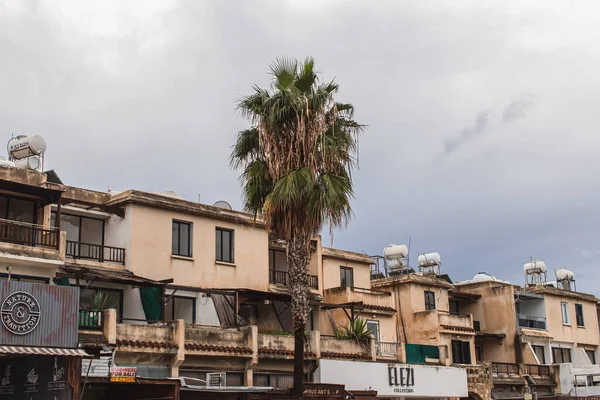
x: 28, y: 234
x: 530, y: 321
x: 505, y: 368
x: 90, y: 319
x: 95, y: 252
x: 538, y: 370
x: 281, y: 277
x: 387, y: 348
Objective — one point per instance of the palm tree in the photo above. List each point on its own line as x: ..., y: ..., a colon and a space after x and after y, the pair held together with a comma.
x: 296, y: 161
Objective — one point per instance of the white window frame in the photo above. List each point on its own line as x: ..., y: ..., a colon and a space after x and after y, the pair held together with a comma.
x: 564, y: 311
x: 375, y: 322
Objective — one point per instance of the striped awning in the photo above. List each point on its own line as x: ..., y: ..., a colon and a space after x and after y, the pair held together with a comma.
x: 43, y: 351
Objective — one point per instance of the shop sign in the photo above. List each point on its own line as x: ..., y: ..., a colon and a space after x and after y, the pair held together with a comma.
x: 395, y: 380
x: 39, y: 377
x: 318, y: 390
x: 39, y: 315
x: 20, y: 313
x: 123, y: 374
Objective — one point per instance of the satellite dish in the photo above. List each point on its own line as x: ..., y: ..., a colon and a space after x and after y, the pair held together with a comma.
x: 223, y: 204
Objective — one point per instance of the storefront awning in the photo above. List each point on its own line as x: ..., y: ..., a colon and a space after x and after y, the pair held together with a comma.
x: 43, y: 351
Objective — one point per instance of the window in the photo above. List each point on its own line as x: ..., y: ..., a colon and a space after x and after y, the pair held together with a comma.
x: 461, y: 352
x: 17, y: 209
x: 81, y: 229
x: 591, y: 355
x: 373, y: 326
x: 115, y: 298
x: 560, y: 356
x: 24, y: 278
x: 249, y: 312
x: 579, y: 314
x: 539, y: 352
x: 279, y: 381
x: 346, y: 277
x: 181, y: 244
x: 181, y: 308
x: 454, y: 308
x: 225, y: 245
x: 564, y: 309
x: 477, y: 326
x: 478, y: 353
x: 277, y: 260
x: 429, y: 300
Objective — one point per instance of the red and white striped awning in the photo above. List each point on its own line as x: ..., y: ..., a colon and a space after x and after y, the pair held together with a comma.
x: 43, y: 351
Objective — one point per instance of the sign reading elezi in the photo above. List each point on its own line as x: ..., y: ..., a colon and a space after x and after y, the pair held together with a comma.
x: 20, y: 313
x: 403, y: 377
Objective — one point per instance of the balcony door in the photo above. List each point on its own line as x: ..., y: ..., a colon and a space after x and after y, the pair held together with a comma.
x: 17, y: 209
x: 85, y: 235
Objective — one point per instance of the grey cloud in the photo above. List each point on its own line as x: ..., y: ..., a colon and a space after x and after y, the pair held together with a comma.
x: 479, y: 127
x: 517, y: 109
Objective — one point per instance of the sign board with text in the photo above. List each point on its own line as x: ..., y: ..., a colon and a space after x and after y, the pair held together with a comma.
x: 123, y: 374
x: 322, y: 390
x: 395, y: 380
x: 34, y: 377
x: 36, y: 314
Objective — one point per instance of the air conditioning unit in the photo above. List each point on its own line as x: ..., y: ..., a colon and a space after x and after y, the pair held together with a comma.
x: 216, y: 379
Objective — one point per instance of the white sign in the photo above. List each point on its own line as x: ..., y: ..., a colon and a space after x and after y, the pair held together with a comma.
x: 395, y: 380
x: 20, y: 313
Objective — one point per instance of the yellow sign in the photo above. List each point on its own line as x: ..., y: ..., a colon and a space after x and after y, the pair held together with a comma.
x: 123, y: 374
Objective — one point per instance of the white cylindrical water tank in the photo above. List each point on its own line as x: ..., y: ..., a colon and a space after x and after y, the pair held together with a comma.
x: 429, y: 259
x: 535, y: 267
x: 29, y: 162
x: 564, y: 274
x: 395, y: 263
x: 27, y: 146
x: 395, y: 251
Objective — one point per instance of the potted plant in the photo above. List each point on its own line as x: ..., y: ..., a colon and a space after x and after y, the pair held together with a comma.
x: 99, y: 302
x: 356, y: 330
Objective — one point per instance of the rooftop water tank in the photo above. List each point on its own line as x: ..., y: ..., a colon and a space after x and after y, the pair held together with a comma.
x: 395, y: 251
x: 564, y: 274
x: 429, y: 259
x: 395, y: 263
x: 483, y: 277
x: 535, y: 267
x: 26, y: 146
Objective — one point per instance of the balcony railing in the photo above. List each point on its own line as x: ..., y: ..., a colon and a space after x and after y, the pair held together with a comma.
x: 505, y: 368
x: 530, y: 321
x: 95, y: 252
x: 28, y: 234
x: 281, y: 277
x: 90, y: 319
x: 387, y: 348
x: 538, y: 370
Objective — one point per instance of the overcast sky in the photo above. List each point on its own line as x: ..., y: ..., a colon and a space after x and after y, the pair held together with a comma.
x: 483, y: 116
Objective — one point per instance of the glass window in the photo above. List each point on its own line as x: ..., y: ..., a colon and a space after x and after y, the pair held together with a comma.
x: 591, y: 355
x: 579, y: 314
x: 181, y: 308
x: 277, y: 260
x: 278, y: 381
x: 249, y: 312
x: 429, y: 300
x: 115, y: 299
x: 91, y: 230
x: 454, y: 308
x: 564, y: 309
x: 560, y: 355
x: 181, y: 244
x: 373, y: 326
x: 346, y: 277
x: 21, y: 210
x: 224, y: 245
x: 461, y: 352
x: 539, y: 352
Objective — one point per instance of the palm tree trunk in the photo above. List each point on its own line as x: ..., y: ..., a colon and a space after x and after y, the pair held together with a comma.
x: 297, y: 258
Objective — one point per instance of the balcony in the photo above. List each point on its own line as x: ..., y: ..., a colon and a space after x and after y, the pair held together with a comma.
x: 281, y: 278
x: 95, y: 252
x: 387, y: 349
x: 29, y: 234
x: 90, y: 319
x: 376, y: 301
x: 508, y: 369
x: 530, y: 321
x: 456, y: 323
x: 422, y: 354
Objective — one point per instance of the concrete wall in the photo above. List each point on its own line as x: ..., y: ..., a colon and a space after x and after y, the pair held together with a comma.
x: 587, y: 334
x: 150, y: 252
x: 495, y: 312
